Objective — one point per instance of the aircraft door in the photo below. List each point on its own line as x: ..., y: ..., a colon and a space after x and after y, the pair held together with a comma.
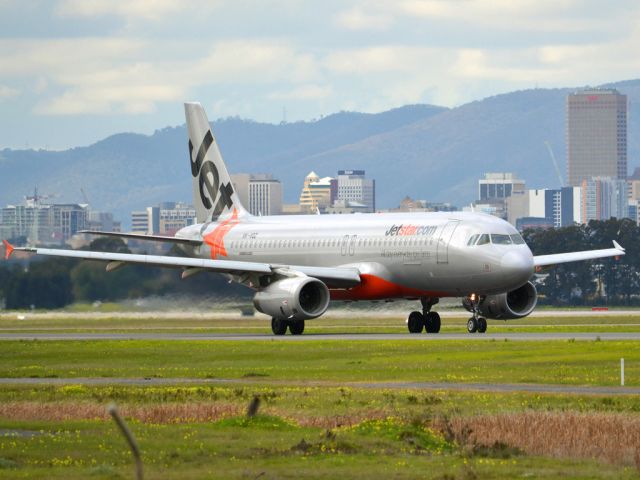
x: 442, y: 248
x: 348, y: 245
x: 352, y: 245
x: 344, y: 245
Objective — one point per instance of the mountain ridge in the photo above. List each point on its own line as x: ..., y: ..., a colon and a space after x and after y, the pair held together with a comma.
x: 425, y: 151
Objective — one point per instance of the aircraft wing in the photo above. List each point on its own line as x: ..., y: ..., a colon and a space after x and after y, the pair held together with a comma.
x: 334, y: 277
x: 139, y: 236
x: 544, y: 260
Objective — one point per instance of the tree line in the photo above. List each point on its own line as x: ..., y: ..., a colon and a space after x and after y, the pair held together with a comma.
x: 57, y: 282
x: 607, y: 281
x: 52, y: 282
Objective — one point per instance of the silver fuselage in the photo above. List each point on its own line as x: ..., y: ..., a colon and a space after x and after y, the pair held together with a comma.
x: 404, y: 255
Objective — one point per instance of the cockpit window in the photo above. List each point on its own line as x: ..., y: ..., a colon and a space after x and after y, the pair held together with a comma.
x: 472, y: 240
x: 483, y: 240
x: 517, y: 239
x: 500, y: 239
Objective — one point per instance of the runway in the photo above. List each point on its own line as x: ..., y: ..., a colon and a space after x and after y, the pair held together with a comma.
x: 464, y: 387
x: 531, y: 337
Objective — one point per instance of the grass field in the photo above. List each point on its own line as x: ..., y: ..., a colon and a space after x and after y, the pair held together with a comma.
x: 329, y: 361
x: 200, y: 432
x: 316, y: 419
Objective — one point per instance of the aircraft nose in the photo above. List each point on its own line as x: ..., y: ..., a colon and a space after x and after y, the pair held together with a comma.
x: 517, y: 265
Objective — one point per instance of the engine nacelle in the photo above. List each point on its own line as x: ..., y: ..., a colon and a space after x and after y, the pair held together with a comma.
x: 295, y: 298
x: 517, y: 303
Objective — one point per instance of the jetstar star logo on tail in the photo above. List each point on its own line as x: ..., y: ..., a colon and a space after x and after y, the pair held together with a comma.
x: 215, y: 239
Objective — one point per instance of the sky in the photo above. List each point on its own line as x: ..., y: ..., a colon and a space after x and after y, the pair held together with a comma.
x: 75, y: 71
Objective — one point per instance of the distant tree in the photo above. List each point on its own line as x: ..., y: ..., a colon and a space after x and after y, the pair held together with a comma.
x: 621, y: 276
x: 44, y: 284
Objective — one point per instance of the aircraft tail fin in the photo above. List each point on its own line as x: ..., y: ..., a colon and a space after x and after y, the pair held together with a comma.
x: 213, y: 194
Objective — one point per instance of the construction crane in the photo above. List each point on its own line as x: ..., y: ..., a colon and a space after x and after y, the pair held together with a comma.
x: 555, y: 163
x: 84, y: 196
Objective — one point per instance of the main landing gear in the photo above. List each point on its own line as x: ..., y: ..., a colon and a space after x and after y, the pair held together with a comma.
x: 279, y: 326
x: 427, y: 320
x: 476, y: 323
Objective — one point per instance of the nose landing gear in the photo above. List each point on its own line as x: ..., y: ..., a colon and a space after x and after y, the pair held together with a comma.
x: 476, y: 323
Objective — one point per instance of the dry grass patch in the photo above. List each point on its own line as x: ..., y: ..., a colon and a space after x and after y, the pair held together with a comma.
x: 608, y: 437
x: 164, y: 413
x: 159, y: 413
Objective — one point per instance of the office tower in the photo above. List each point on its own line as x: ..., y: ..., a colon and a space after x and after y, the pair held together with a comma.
x: 596, y: 135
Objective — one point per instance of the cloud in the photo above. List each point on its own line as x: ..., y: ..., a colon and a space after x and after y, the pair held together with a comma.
x: 129, y: 9
x: 8, y: 92
x: 564, y: 16
x: 304, y: 92
x: 254, y: 65
x: 384, y: 59
x: 357, y: 19
x: 130, y: 99
x: 104, y: 76
x: 28, y: 57
x: 253, y: 61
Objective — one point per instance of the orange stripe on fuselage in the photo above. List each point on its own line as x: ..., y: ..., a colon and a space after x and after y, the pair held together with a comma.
x: 376, y: 288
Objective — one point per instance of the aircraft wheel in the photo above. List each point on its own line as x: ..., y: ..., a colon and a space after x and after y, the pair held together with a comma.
x: 415, y: 322
x: 278, y: 326
x: 296, y: 328
x: 482, y: 325
x: 472, y: 325
x: 432, y: 322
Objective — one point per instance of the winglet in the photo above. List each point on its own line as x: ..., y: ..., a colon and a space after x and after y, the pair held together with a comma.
x: 618, y: 246
x: 8, y: 249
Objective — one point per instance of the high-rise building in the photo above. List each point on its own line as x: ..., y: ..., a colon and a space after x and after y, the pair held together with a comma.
x: 102, y: 222
x: 497, y: 186
x: 265, y: 197
x: 495, y: 192
x: 603, y: 198
x: 353, y: 187
x: 596, y: 135
x: 146, y: 221
x: 317, y: 193
x: 42, y: 223
x: 164, y: 219
x: 173, y: 216
x: 634, y: 211
x: 634, y: 185
x: 259, y: 193
x: 561, y: 207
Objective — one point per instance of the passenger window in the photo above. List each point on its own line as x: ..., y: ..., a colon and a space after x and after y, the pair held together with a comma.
x: 472, y: 240
x: 483, y: 240
x: 500, y: 239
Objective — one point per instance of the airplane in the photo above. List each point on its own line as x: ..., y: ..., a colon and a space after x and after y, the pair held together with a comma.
x: 298, y: 264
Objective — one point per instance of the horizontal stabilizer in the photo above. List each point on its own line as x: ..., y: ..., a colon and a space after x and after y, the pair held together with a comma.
x: 140, y: 236
x: 8, y: 249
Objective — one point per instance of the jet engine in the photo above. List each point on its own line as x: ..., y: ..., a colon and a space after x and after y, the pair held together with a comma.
x: 517, y: 303
x: 294, y: 298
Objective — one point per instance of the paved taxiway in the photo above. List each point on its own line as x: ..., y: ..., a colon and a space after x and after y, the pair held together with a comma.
x: 469, y: 387
x: 536, y: 337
